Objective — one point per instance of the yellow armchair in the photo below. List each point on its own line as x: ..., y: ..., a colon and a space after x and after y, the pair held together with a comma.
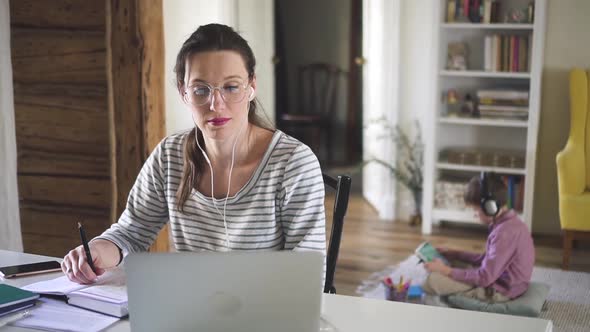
x: 573, y: 167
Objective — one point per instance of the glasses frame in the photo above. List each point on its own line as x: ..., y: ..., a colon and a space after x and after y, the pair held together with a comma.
x: 212, y: 92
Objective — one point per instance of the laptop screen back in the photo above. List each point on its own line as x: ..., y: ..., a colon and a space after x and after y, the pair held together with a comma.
x: 232, y: 291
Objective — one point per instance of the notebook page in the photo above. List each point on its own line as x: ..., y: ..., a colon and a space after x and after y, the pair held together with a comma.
x: 57, y: 286
x: 107, y: 293
x: 53, y: 315
x: 110, y: 287
x: 63, y: 285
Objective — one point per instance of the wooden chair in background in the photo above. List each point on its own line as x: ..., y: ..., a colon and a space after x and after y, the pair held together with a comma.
x: 316, y: 110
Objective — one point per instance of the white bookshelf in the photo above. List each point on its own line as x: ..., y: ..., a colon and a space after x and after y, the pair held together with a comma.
x: 448, y: 131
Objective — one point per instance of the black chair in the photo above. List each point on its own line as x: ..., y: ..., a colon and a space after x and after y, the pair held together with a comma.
x: 342, y: 187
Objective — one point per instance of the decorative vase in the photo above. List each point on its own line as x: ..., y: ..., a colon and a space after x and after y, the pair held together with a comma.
x: 416, y: 217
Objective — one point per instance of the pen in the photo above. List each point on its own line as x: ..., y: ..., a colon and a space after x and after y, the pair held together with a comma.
x: 13, y: 318
x: 86, y: 248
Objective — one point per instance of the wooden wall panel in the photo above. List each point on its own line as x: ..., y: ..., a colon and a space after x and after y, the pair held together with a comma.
x: 63, y: 164
x: 88, y: 68
x: 53, y: 230
x: 70, y: 96
x: 61, y: 130
x: 65, y: 191
x: 62, y: 122
x: 29, y: 42
x: 89, y: 103
x: 61, y: 14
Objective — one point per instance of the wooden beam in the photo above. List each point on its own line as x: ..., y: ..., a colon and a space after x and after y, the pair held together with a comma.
x: 135, y: 69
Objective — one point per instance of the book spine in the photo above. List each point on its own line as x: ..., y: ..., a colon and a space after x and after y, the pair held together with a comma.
x: 487, y: 11
x: 521, y: 54
x: 504, y: 53
x: 516, y: 53
x: 498, y: 53
x: 487, y: 55
x: 495, y: 15
x: 451, y: 11
x: 513, y: 54
x: 466, y: 9
x: 510, y: 192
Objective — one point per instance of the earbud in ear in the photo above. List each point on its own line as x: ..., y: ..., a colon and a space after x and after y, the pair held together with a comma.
x: 252, y: 94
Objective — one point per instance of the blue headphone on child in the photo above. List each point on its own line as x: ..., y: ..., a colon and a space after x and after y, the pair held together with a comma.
x: 488, y: 202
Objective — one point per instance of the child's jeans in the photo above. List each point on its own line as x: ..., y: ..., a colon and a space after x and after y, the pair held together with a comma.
x: 438, y: 284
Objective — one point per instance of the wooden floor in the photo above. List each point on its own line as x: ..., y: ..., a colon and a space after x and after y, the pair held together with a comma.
x: 369, y: 244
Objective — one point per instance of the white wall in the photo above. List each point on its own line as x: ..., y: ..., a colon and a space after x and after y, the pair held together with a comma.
x: 566, y: 46
x: 416, y: 49
x: 10, y: 231
x: 381, y: 86
x: 252, y: 18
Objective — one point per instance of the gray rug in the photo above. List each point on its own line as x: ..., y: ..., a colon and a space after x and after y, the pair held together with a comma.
x: 567, y: 305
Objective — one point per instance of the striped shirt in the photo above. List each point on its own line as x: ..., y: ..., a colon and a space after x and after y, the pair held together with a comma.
x: 281, y: 207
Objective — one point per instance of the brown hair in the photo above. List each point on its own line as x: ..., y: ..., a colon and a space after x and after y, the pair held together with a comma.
x: 210, y: 37
x: 495, y: 186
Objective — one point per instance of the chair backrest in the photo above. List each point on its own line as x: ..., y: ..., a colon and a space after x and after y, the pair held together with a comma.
x: 318, y: 89
x: 342, y: 187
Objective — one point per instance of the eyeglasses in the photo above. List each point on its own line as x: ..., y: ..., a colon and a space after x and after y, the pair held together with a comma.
x: 231, y: 92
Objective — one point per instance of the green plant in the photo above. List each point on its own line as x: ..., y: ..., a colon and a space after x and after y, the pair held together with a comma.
x: 409, y: 159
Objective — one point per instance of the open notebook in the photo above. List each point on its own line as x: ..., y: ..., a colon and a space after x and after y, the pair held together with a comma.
x: 108, y: 295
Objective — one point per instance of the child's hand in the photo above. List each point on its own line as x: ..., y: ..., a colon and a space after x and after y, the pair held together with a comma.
x: 438, y: 266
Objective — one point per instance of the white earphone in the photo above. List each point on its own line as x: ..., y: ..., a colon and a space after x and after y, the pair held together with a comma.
x: 252, y: 94
x: 227, y: 242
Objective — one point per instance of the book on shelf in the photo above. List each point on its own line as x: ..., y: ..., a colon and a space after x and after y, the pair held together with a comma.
x: 514, y: 191
x: 108, y: 295
x: 506, y: 108
x: 502, y: 94
x: 506, y: 53
x: 474, y: 11
x: 13, y: 299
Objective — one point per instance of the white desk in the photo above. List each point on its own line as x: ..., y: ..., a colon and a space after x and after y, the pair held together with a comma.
x: 353, y: 314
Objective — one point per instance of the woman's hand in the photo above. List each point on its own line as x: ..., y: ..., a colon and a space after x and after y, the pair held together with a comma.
x: 438, y: 266
x: 105, y: 254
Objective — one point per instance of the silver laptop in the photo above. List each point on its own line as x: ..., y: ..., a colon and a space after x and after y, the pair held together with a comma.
x: 231, y: 291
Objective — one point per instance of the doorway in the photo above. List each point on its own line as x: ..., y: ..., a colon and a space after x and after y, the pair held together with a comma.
x: 326, y: 32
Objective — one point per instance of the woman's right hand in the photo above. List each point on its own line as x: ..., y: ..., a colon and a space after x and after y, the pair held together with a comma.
x: 105, y: 254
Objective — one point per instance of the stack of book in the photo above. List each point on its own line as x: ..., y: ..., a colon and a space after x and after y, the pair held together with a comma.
x: 13, y: 299
x: 507, y: 104
x: 509, y: 53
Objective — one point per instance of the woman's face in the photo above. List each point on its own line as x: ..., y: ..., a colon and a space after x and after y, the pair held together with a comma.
x: 219, y: 113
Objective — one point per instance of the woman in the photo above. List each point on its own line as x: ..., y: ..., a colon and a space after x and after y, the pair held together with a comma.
x: 230, y: 183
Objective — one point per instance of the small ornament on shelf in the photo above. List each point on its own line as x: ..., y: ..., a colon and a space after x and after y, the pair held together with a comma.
x: 457, y: 56
x: 468, y: 108
x: 516, y: 15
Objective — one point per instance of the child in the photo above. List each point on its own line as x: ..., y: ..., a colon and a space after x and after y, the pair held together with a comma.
x: 504, y: 271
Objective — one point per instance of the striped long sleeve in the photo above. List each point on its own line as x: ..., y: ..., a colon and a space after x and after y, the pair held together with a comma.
x: 281, y: 207
x: 146, y: 211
